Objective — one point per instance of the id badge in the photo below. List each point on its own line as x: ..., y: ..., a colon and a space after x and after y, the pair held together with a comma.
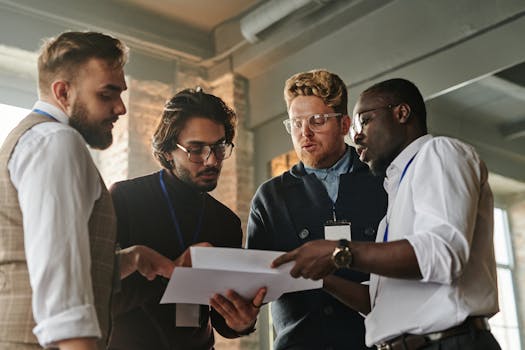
x: 336, y: 230
x: 187, y: 315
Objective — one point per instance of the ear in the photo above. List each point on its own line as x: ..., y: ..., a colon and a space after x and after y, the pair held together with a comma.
x: 403, y: 113
x: 168, y: 156
x: 61, y: 91
x: 345, y: 124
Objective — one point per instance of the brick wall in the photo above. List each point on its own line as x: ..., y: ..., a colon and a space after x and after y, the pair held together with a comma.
x: 236, y: 186
x: 130, y: 154
x: 146, y: 103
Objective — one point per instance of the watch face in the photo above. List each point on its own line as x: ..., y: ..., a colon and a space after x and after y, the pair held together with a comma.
x: 342, y: 257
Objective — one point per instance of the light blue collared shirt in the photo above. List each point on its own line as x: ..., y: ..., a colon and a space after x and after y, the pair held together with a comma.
x: 330, y: 177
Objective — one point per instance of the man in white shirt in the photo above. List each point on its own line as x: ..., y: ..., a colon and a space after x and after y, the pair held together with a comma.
x: 57, y: 224
x: 433, y: 272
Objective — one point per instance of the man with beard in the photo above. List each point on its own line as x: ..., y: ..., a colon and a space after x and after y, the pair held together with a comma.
x: 329, y: 193
x: 171, y: 210
x: 433, y: 272
x: 57, y: 224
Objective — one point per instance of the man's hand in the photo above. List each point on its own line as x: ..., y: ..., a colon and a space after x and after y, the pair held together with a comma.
x: 78, y: 344
x: 240, y: 314
x: 184, y: 260
x: 146, y: 261
x: 313, y: 259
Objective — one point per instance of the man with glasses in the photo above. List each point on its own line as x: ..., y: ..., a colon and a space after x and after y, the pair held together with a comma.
x: 330, y: 193
x: 433, y: 272
x: 170, y: 211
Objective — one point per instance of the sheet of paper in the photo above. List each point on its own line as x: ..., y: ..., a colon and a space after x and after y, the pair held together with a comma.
x: 235, y: 259
x: 220, y: 269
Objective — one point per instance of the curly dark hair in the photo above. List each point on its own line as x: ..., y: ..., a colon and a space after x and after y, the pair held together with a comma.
x: 184, y: 105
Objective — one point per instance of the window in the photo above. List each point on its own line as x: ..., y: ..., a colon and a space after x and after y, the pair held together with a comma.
x: 504, y: 324
x: 10, y: 116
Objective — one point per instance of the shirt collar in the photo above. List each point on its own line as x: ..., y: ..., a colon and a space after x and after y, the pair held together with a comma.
x: 56, y: 112
x: 342, y: 166
x: 406, y: 154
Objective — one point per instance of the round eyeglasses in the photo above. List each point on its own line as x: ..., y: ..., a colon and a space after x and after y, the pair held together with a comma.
x: 316, y: 122
x: 200, y: 153
x: 361, y: 119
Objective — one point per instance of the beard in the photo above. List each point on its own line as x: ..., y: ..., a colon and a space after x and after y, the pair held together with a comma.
x: 93, y: 133
x: 379, y: 171
x: 185, y: 176
x: 379, y: 165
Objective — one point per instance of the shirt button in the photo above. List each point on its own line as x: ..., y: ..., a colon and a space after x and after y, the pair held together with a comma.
x: 370, y: 232
x: 304, y: 233
x: 328, y: 310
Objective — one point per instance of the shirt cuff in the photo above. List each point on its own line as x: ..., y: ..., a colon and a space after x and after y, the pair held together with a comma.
x: 77, y: 322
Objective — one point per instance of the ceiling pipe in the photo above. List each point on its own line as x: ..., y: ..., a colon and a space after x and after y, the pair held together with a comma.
x: 266, y: 15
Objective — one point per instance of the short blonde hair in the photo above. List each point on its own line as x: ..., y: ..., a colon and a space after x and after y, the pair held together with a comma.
x: 62, y: 56
x: 321, y: 83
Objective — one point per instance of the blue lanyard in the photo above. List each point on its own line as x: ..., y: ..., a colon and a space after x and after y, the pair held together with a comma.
x: 385, y: 237
x: 174, y: 216
x: 44, y: 113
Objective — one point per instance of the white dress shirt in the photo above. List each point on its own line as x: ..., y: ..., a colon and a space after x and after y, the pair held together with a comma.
x: 57, y: 184
x: 443, y: 206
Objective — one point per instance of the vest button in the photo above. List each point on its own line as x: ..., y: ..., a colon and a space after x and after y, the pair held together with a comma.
x: 304, y: 233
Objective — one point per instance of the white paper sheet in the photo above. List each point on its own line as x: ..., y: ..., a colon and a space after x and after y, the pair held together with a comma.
x: 215, y: 270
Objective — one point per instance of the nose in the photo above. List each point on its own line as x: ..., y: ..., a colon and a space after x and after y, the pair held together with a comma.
x: 120, y: 107
x: 305, y: 129
x: 212, y: 159
x: 356, y: 136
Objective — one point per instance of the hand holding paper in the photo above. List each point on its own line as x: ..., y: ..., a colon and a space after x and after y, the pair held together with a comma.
x: 217, y: 270
x: 239, y: 313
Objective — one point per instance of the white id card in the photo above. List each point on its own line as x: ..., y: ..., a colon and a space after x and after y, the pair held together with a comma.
x: 187, y: 315
x: 336, y: 230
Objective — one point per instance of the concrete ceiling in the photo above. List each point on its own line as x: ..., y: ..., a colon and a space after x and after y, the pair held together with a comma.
x: 466, y: 56
x: 201, y: 14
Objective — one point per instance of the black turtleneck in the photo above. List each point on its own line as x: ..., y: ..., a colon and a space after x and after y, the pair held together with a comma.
x: 143, y: 217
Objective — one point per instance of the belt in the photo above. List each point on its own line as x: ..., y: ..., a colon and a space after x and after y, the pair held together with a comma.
x: 416, y: 341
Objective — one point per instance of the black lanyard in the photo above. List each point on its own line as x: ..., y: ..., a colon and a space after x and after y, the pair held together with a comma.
x: 174, y: 216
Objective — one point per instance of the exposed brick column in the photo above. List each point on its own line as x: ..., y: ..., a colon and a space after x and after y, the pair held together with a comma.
x: 236, y: 182
x: 235, y: 188
x: 146, y: 103
x: 130, y: 154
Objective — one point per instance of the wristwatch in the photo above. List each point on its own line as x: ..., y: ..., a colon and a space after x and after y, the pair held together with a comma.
x: 342, y: 256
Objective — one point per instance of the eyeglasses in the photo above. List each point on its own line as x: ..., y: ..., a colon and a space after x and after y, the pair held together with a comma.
x: 361, y: 119
x: 200, y: 154
x: 316, y: 122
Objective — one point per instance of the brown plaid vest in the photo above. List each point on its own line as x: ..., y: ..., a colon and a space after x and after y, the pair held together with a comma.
x: 16, y: 317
